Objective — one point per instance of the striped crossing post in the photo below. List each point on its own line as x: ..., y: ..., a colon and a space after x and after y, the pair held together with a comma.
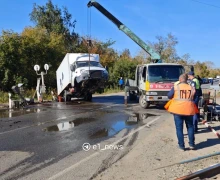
x: 213, y: 130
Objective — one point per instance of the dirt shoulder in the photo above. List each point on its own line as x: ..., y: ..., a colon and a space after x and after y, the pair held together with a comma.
x: 160, y: 149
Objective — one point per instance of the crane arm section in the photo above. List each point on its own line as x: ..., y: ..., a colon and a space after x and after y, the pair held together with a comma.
x: 126, y: 30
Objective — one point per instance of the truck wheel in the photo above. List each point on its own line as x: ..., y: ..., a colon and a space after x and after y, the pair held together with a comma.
x: 68, y: 98
x: 88, y: 97
x: 132, y: 96
x: 143, y: 103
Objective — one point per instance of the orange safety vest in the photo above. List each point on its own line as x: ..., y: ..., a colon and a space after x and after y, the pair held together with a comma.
x: 177, y: 82
x: 182, y: 102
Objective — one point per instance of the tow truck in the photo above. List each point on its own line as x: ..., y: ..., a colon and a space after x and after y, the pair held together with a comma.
x: 152, y: 81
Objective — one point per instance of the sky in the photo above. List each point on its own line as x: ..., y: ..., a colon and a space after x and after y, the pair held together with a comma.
x: 194, y: 23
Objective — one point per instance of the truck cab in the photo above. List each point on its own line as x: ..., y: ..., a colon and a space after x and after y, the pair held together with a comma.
x: 155, y: 80
x: 84, y: 69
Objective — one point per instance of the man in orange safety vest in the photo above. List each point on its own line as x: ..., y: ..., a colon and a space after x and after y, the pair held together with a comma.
x: 183, y: 108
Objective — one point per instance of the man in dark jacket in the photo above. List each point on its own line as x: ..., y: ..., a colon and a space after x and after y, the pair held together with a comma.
x: 195, y: 83
x: 200, y: 79
x: 121, y: 83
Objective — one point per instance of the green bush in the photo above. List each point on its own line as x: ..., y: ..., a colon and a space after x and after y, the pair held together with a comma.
x: 3, y: 97
x: 27, y: 94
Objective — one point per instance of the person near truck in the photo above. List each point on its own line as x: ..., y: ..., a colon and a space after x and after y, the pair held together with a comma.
x: 211, y: 81
x: 194, y: 82
x: 200, y: 79
x: 183, y: 108
x: 121, y: 83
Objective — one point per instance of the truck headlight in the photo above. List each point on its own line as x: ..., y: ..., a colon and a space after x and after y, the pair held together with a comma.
x: 84, y: 71
x: 105, y: 72
x: 151, y: 93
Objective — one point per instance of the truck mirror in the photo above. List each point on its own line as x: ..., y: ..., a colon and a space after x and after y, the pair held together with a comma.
x: 144, y: 74
x: 106, y: 67
x: 72, y: 67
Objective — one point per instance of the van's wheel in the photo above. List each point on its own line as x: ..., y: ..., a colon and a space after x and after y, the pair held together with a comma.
x: 88, y: 97
x: 143, y: 103
x: 68, y: 98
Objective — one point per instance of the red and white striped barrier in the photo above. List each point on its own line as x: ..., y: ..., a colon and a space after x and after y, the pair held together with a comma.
x: 216, y: 133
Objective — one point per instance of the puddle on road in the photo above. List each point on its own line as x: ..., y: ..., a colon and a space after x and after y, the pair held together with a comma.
x: 111, y: 131
x: 69, y: 124
x: 76, y: 102
x: 15, y: 113
x: 100, y: 133
x: 137, y: 118
x: 103, y: 132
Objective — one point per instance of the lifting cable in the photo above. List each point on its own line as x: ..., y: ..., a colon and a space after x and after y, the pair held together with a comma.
x: 89, y: 20
x: 89, y: 42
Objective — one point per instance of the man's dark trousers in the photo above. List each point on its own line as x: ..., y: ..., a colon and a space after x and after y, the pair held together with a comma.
x: 179, y: 121
x: 196, y: 116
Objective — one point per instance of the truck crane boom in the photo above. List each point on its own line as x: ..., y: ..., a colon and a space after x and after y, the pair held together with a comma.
x: 154, y: 56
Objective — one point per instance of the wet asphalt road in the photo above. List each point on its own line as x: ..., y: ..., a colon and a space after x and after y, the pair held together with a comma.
x: 50, y: 132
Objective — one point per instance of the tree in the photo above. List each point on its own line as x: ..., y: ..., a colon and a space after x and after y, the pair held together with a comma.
x: 201, y: 69
x: 20, y: 52
x: 214, y: 72
x: 107, y: 54
x: 39, y: 47
x: 123, y: 67
x: 126, y: 54
x: 142, y: 57
x: 55, y: 20
x: 209, y: 64
x: 10, y: 59
x: 166, y: 48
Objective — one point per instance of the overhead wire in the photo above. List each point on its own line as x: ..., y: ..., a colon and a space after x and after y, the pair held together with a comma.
x: 206, y: 4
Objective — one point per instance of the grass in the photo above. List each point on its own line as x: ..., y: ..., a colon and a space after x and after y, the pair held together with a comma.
x: 115, y: 90
x: 111, y: 90
x: 27, y: 94
x: 3, y: 97
x: 47, y: 97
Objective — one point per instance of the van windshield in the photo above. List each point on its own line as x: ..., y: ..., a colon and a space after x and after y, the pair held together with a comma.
x: 86, y: 64
x: 169, y: 73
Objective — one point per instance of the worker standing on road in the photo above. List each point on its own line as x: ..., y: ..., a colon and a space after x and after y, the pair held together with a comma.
x: 211, y: 81
x: 183, y: 108
x: 194, y: 82
x: 121, y: 83
x: 199, y: 78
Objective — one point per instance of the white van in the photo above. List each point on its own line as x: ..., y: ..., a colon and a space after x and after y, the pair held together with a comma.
x: 80, y: 75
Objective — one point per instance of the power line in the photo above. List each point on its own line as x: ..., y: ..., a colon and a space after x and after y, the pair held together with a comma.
x: 206, y: 4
